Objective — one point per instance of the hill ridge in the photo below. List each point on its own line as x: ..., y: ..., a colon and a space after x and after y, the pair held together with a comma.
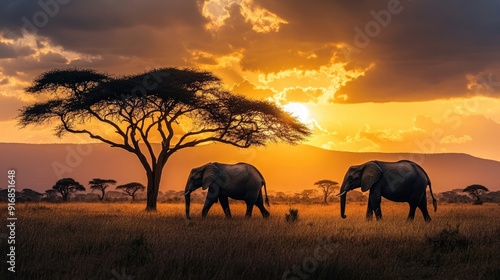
x: 285, y: 167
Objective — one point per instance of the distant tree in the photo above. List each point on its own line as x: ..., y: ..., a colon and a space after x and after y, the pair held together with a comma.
x: 101, y: 185
x: 31, y: 195
x: 356, y: 196
x: 492, y: 196
x: 178, y: 108
x: 131, y: 189
x: 476, y: 191
x: 281, y: 197
x: 308, y: 195
x: 454, y: 196
x: 66, y: 186
x: 328, y: 187
x: 51, y: 194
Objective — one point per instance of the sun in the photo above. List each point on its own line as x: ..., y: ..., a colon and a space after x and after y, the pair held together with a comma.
x: 298, y: 110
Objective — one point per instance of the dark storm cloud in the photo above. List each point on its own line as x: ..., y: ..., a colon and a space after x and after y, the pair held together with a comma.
x: 424, y: 51
x: 122, y: 27
x: 10, y: 51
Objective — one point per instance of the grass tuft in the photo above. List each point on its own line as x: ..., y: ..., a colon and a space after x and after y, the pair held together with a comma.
x: 292, y: 216
x: 448, y: 240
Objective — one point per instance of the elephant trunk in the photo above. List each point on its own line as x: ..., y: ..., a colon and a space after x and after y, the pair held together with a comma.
x: 342, y: 205
x: 187, y: 198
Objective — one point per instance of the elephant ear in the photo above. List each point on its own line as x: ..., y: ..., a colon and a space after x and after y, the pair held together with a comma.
x: 209, y: 179
x: 370, y: 175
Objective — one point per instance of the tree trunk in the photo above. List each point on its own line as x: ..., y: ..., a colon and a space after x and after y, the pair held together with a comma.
x: 153, y: 187
x: 65, y: 196
x: 102, y: 196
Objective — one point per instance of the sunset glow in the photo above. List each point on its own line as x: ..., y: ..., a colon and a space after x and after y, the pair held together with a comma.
x: 361, y: 83
x: 250, y: 139
x: 298, y: 110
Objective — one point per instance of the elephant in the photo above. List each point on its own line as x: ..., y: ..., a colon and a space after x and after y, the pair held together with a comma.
x: 240, y: 181
x: 402, y: 181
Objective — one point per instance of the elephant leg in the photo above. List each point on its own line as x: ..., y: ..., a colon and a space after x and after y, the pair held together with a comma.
x: 375, y: 200
x: 249, y: 209
x: 411, y: 214
x: 224, y: 203
x: 208, y: 203
x: 260, y: 205
x: 369, y: 211
x: 423, y: 207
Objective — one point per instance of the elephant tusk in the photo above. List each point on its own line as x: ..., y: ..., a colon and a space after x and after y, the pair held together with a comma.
x: 341, y: 194
x: 186, y: 193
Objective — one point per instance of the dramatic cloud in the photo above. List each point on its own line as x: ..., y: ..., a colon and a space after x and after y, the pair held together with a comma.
x: 433, y: 59
x: 218, y: 11
x: 8, y: 50
x: 375, y: 75
x: 253, y: 91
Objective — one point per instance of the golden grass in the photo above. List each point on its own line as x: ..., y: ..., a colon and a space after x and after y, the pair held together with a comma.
x: 121, y: 241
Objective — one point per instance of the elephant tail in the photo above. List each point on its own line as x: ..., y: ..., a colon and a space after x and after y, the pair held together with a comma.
x: 434, y: 201
x: 266, y: 201
x: 265, y: 192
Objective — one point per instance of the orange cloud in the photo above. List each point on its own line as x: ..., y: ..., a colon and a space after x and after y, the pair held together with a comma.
x: 262, y: 20
x: 251, y: 90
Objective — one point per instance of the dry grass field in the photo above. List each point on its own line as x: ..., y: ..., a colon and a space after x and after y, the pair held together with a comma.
x: 121, y: 241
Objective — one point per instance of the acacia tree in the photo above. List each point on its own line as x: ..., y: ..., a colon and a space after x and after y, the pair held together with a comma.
x: 65, y: 186
x: 31, y: 195
x: 101, y: 185
x: 178, y: 108
x: 51, y: 194
x: 476, y: 191
x: 328, y: 187
x: 131, y: 189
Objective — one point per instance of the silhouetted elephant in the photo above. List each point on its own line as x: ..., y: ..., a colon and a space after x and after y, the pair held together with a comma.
x: 239, y: 181
x: 402, y: 181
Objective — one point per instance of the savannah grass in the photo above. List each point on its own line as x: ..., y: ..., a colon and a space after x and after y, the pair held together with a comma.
x: 122, y: 241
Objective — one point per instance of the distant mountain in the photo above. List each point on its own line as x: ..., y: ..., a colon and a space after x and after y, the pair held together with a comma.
x: 285, y: 167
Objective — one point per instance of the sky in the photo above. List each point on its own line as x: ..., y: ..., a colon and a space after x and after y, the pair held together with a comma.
x: 367, y: 76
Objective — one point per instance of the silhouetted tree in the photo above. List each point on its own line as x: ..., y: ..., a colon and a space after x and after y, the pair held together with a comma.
x: 51, y: 194
x: 307, y: 195
x: 328, y: 187
x: 476, y: 191
x: 66, y: 186
x: 131, y: 189
x: 454, y: 197
x: 101, y: 185
x: 31, y: 195
x: 180, y: 108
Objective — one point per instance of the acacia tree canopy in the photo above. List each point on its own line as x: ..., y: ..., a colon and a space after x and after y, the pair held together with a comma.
x: 178, y: 108
x: 131, y: 189
x: 476, y: 191
x: 101, y: 185
x: 65, y: 186
x: 328, y: 187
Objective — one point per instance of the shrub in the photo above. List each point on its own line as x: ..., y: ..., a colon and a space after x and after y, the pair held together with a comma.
x: 292, y: 215
x: 448, y: 240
